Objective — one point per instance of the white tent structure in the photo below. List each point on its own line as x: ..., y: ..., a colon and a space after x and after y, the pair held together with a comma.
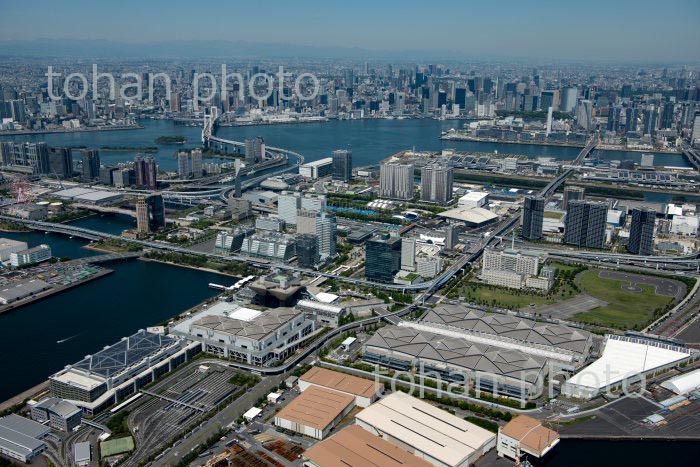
x: 683, y: 384
x: 624, y: 358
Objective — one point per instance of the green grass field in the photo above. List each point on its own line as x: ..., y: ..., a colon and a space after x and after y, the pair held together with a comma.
x: 503, y: 297
x: 113, y: 447
x: 625, y: 308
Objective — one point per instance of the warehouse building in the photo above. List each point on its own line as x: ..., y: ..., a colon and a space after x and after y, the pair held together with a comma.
x: 525, y: 436
x: 471, y: 217
x: 488, y: 368
x: 315, y: 412
x: 21, y: 438
x: 252, y: 336
x: 22, y: 289
x: 8, y: 246
x: 33, y: 255
x: 354, y: 446
x: 61, y: 415
x: 625, y: 360
x: 365, y: 391
x: 110, y: 375
x: 428, y: 432
x: 683, y: 384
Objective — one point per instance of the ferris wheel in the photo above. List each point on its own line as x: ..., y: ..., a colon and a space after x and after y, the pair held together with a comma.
x: 21, y: 189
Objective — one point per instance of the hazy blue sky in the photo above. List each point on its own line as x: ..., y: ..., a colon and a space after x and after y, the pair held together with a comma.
x: 587, y: 29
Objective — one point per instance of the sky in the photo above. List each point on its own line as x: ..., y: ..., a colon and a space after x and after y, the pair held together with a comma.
x: 578, y: 30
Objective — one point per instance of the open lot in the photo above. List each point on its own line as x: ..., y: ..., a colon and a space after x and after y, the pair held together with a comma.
x: 112, y: 447
x: 631, y: 298
x: 570, y: 307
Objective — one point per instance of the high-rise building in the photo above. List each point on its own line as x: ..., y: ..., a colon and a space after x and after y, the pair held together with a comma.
x: 408, y: 254
x: 326, y: 231
x: 533, y: 217
x: 174, y: 101
x: 436, y: 184
x: 150, y: 213
x: 254, y: 150
x: 573, y: 193
x: 61, y: 162
x: 183, y: 165
x: 641, y: 241
x: 584, y: 114
x: 342, y: 165
x: 146, y: 172
x: 396, y: 181
x: 288, y: 204
x: 631, y: 116
x: 451, y: 236
x: 696, y: 127
x: 197, y: 171
x: 568, y: 99
x: 307, y: 250
x: 585, y: 224
x: 91, y: 165
x: 382, y: 257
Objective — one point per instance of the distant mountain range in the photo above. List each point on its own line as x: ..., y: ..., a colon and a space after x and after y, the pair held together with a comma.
x: 207, y: 48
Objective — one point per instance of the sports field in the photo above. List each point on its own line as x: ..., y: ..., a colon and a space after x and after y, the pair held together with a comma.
x: 630, y: 302
x: 113, y: 447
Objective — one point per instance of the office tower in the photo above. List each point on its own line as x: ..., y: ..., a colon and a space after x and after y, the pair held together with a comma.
x: 573, y: 193
x: 631, y: 115
x: 17, y: 107
x: 254, y: 150
x: 91, y: 165
x: 197, y: 171
x: 174, y: 101
x: 326, y: 231
x: 568, y: 99
x: 61, y: 162
x: 315, y: 203
x: 150, y: 213
x: 382, y: 257
x: 641, y: 240
x: 585, y: 224
x: 342, y: 165
x: 613, y: 118
x: 35, y: 155
x: 288, y: 204
x: 436, y: 183
x: 668, y: 120
x: 461, y: 97
x: 408, y: 254
x: 396, y: 181
x: 626, y: 92
x: 183, y: 165
x: 306, y: 221
x: 533, y: 217
x: 650, y: 119
x: 7, y: 151
x: 307, y: 250
x: 549, y: 99
x: 146, y: 172
x: 107, y: 175
x: 451, y: 236
x: 549, y: 121
x: 584, y: 114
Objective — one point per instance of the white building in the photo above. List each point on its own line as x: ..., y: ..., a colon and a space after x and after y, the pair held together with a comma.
x: 317, y: 169
x: 513, y: 269
x: 408, y: 254
x: 525, y: 436
x: 396, y: 181
x: 474, y: 199
x: 21, y: 438
x: 428, y: 432
x: 8, y: 246
x: 36, y: 254
x: 685, y: 225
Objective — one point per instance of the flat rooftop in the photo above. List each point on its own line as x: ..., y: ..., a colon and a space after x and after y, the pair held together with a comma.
x: 426, y: 428
x: 340, y: 382
x: 354, y: 446
x: 316, y: 407
x: 474, y: 216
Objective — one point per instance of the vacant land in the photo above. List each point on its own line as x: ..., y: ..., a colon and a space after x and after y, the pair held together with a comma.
x: 631, y: 302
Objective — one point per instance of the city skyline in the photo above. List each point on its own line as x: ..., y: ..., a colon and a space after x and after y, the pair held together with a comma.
x: 621, y: 31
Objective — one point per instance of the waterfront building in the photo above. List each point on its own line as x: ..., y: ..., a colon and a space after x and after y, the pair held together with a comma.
x: 342, y: 165
x: 533, y: 217
x: 33, y: 255
x: 396, y: 181
x: 259, y: 337
x: 641, y: 241
x: 146, y: 171
x: 585, y: 224
x: 150, y: 213
x: 114, y: 373
x: 9, y: 246
x: 61, y: 415
x: 183, y: 165
x: 61, y: 162
x: 229, y: 242
x: 254, y: 150
x: 525, y: 436
x: 436, y: 184
x: 22, y: 439
x: 382, y: 257
x: 197, y: 169
x: 317, y: 169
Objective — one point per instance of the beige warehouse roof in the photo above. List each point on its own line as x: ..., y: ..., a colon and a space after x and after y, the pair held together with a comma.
x: 533, y: 437
x: 426, y: 428
x: 356, y: 447
x: 340, y: 382
x: 316, y: 407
